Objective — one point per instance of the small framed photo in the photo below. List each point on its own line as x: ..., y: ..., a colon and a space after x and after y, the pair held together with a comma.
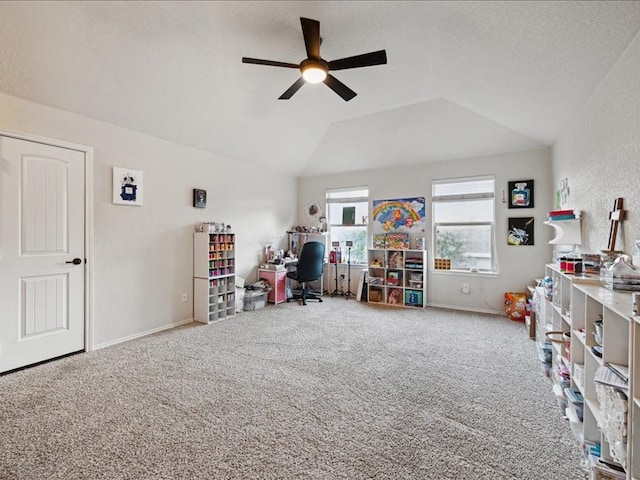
x: 521, y: 194
x: 199, y: 198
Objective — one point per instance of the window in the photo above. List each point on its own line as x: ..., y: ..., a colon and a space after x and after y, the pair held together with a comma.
x: 347, y: 212
x: 463, y: 222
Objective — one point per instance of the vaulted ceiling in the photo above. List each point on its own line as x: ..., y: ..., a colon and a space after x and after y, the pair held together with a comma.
x: 462, y: 79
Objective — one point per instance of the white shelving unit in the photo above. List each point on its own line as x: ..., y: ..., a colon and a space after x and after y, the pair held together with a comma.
x: 633, y: 468
x: 578, y: 303
x: 214, y: 275
x: 567, y: 231
x: 397, y: 277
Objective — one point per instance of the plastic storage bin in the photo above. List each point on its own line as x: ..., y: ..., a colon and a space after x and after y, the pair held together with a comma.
x: 254, y: 300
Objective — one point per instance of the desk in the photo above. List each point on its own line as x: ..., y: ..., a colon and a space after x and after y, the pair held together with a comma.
x: 278, y: 281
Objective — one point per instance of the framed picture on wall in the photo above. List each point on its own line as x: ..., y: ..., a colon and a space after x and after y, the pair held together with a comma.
x: 127, y: 186
x: 520, y: 231
x: 521, y: 194
x: 313, y: 210
x: 199, y: 198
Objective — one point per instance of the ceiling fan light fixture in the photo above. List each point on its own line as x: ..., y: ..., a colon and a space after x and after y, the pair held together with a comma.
x: 314, y: 75
x: 314, y: 72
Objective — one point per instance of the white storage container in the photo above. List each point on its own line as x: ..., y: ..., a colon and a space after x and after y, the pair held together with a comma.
x: 254, y: 300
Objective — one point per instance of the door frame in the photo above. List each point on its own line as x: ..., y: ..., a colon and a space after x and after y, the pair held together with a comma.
x: 88, y: 222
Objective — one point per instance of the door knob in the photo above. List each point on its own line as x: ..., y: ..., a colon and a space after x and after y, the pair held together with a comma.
x: 75, y: 261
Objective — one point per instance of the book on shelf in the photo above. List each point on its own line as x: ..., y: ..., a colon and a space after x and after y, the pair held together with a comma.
x: 555, y: 218
x: 556, y: 213
x: 415, y: 263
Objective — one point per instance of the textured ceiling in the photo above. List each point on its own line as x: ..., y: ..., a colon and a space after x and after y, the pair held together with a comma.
x: 462, y: 79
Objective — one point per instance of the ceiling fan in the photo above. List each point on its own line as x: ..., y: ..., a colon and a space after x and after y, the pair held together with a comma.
x: 315, y: 69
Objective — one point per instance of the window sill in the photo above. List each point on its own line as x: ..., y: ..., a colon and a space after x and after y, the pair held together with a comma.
x: 345, y: 265
x: 463, y: 273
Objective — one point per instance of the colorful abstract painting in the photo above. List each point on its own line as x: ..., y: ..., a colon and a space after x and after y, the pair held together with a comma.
x: 520, y: 231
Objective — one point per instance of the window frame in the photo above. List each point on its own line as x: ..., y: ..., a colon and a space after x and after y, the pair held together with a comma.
x: 465, y: 197
x: 347, y: 200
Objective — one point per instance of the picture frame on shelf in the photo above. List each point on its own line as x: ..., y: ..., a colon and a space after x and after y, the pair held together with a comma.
x: 348, y: 215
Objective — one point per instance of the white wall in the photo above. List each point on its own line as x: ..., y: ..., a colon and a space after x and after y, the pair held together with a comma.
x: 599, y: 153
x: 143, y: 255
x: 518, y: 265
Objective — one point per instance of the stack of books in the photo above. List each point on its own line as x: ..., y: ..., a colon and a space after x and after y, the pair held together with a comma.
x: 561, y: 215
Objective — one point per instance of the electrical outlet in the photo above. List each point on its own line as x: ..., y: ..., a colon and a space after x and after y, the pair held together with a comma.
x: 465, y: 288
x: 184, y: 297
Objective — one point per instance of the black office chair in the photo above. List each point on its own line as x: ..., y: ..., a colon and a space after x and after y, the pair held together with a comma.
x: 308, y: 269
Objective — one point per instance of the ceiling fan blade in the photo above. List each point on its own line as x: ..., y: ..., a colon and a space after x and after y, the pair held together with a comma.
x: 311, y: 33
x: 340, y: 88
x: 270, y: 63
x: 292, y: 89
x: 364, y: 60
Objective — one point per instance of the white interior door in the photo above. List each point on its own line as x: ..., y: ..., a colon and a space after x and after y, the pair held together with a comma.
x: 42, y: 225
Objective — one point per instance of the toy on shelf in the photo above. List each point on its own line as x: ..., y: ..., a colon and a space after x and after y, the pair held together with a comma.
x: 376, y: 262
x: 379, y: 240
x: 398, y: 241
x: 395, y: 260
x: 395, y: 297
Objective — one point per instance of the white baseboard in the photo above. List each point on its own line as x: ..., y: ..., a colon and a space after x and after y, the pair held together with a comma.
x: 473, y: 310
x: 142, y: 334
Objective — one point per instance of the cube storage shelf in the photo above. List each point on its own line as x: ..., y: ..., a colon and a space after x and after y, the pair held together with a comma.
x: 397, y: 277
x: 214, y: 272
x: 597, y: 330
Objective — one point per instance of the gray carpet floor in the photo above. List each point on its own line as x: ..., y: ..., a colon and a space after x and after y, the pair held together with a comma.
x: 333, y: 390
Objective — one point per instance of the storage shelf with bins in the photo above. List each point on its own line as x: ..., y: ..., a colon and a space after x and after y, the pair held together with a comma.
x: 397, y: 277
x: 579, y: 304
x: 214, y: 276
